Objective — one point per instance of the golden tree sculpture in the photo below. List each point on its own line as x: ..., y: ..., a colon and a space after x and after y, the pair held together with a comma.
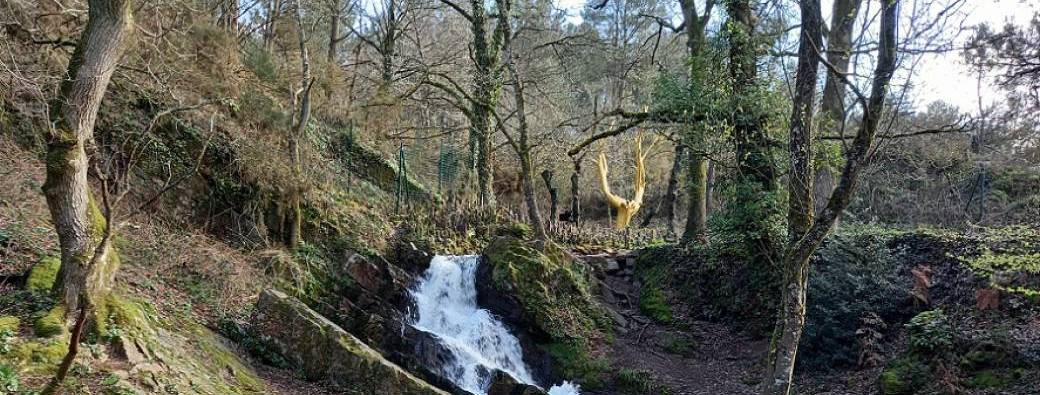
x: 626, y: 208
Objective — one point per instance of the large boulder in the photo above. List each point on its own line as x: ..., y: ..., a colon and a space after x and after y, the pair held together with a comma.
x: 325, y: 352
x: 547, y: 299
x: 538, y: 285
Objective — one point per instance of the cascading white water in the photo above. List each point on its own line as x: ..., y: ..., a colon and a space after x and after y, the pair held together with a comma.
x: 446, y: 299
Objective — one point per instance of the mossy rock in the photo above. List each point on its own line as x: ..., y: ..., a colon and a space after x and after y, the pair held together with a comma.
x: 323, y: 351
x: 574, y: 362
x: 177, y: 351
x: 43, y: 274
x: 52, y: 323
x: 904, y: 376
x: 553, y: 289
x: 9, y: 324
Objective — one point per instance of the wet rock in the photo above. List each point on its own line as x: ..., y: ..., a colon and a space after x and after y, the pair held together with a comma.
x: 504, y: 384
x: 373, y: 284
x: 323, y: 351
x: 409, y: 256
x: 421, y: 353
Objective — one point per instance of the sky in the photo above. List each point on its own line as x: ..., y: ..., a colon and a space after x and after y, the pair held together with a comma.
x: 938, y: 76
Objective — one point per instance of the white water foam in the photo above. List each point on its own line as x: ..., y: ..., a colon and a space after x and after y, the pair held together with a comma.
x: 446, y: 299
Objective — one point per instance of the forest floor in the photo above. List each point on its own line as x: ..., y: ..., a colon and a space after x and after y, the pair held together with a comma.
x: 686, y: 357
x: 690, y: 356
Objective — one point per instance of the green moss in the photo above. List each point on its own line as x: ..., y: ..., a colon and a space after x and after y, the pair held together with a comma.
x: 514, y: 229
x: 36, y: 357
x: 574, y: 362
x: 638, y: 382
x: 52, y: 323
x: 989, y: 378
x: 9, y: 324
x: 904, y: 376
x: 200, y: 360
x: 43, y: 274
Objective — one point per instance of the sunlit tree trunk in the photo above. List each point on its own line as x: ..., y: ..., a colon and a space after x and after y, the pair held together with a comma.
x: 77, y: 218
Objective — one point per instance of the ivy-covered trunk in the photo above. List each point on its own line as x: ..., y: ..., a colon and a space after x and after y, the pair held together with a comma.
x: 697, y: 176
x: 756, y: 166
x: 77, y: 218
x: 487, y: 79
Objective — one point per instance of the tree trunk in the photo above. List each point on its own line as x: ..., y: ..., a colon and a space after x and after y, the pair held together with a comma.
x: 839, y: 47
x: 524, y: 151
x: 697, y: 190
x: 295, y: 136
x: 791, y: 319
x: 710, y: 191
x: 780, y: 368
x: 671, y: 194
x: 274, y: 12
x: 76, y: 216
x: 696, y: 184
x: 575, y: 215
x: 626, y: 208
x: 756, y: 167
x: 839, y: 51
x: 335, y: 10
x: 229, y: 16
x: 488, y: 87
x: 554, y: 198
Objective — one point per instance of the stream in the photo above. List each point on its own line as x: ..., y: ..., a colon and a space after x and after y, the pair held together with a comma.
x: 446, y: 299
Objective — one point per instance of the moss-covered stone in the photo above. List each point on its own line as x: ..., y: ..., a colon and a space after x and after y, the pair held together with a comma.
x: 324, y: 351
x: 52, y: 323
x: 9, y: 324
x: 575, y: 362
x: 42, y: 276
x: 553, y: 289
x: 177, y: 352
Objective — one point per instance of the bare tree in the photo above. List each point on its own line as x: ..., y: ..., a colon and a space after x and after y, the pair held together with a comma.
x: 810, y: 234
x: 302, y: 117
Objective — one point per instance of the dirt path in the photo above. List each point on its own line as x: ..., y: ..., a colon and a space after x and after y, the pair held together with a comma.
x: 684, y: 358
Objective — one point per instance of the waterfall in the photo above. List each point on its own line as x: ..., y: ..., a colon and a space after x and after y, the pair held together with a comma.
x: 446, y: 299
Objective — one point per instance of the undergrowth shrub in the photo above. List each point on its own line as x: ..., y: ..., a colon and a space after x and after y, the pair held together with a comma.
x: 853, y: 276
x: 256, y: 345
x: 930, y: 332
